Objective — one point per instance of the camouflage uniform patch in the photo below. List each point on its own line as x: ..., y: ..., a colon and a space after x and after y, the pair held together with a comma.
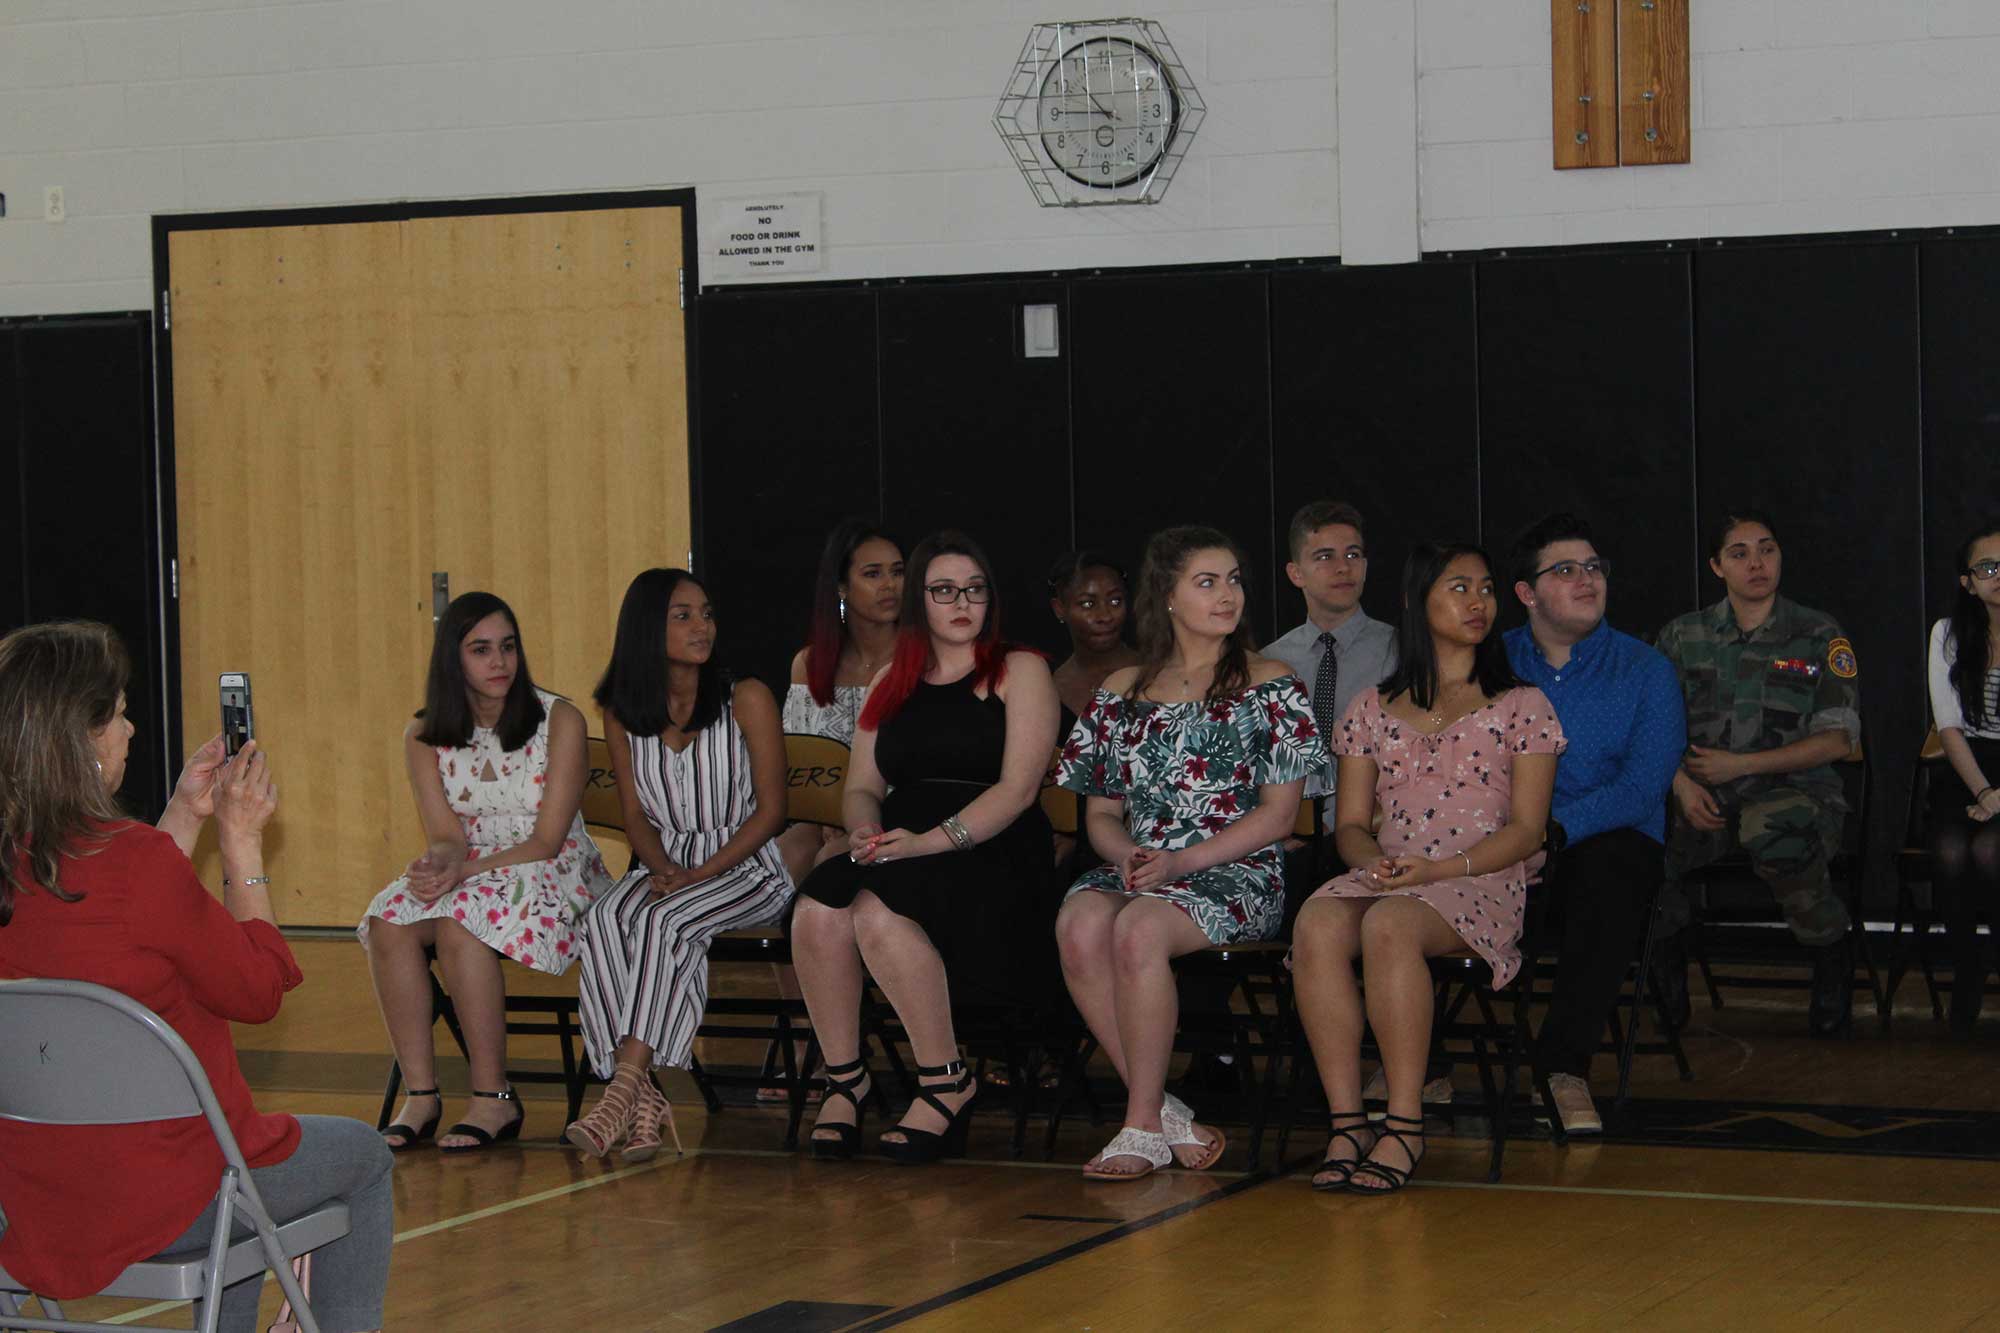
x: 1792, y: 677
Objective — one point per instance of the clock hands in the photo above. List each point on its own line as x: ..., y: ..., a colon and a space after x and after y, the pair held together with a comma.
x: 1099, y: 106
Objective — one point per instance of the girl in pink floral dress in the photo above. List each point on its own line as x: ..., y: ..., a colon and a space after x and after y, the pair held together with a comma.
x: 497, y: 767
x: 1461, y: 761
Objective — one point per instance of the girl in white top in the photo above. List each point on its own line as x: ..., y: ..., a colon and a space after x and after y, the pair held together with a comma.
x: 1963, y: 836
x: 857, y: 594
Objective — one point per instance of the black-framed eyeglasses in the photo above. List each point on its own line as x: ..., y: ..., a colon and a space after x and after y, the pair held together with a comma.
x: 1569, y: 571
x: 1985, y: 569
x: 944, y: 594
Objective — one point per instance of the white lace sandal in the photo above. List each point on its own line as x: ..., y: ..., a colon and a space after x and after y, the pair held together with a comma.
x: 1177, y: 1120
x: 1147, y: 1146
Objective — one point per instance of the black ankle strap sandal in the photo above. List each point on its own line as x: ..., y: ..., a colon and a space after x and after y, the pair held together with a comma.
x: 407, y: 1138
x: 843, y: 1080
x: 1338, y: 1171
x: 920, y: 1146
x: 1393, y: 1178
x: 507, y: 1132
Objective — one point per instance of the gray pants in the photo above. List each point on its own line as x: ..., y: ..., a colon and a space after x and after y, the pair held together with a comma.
x: 337, y: 1158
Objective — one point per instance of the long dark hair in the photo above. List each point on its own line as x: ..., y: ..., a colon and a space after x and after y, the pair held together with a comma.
x: 829, y: 630
x: 1167, y: 554
x: 633, y: 688
x: 59, y: 682
x: 1416, y: 672
x: 913, y: 636
x: 447, y: 713
x: 1970, y: 626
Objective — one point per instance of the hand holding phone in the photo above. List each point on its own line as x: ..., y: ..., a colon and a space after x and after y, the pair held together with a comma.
x: 239, y: 723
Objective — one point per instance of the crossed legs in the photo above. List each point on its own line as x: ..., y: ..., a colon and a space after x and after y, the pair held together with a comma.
x: 1117, y: 953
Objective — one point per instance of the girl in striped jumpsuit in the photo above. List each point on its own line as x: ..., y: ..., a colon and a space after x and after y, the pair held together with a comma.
x: 700, y: 764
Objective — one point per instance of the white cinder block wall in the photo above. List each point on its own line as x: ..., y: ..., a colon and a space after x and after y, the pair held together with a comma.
x: 142, y: 106
x: 1809, y: 115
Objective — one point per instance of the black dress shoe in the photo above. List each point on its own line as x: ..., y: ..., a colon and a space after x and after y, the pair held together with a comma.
x: 1832, y: 988
x: 1670, y: 978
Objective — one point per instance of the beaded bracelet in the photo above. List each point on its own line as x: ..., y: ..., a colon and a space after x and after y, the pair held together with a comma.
x: 247, y: 883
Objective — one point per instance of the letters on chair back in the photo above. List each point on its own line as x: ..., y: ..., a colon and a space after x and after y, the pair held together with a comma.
x: 815, y: 774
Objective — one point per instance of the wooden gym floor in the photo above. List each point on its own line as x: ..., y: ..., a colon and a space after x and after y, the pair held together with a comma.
x: 1830, y: 1231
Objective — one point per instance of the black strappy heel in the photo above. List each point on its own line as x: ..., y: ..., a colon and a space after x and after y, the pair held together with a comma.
x: 1344, y: 1170
x: 510, y: 1130
x: 842, y: 1081
x: 1393, y: 1177
x: 921, y: 1146
x: 408, y: 1138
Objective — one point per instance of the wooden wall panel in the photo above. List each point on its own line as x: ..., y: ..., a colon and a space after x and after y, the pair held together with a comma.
x: 1655, y: 81
x: 297, y: 561
x: 1584, y: 65
x: 550, y: 386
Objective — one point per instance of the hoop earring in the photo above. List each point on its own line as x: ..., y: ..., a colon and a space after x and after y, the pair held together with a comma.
x: 843, y: 607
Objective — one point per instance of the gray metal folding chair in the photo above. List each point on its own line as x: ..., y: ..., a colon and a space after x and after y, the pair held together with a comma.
x: 72, y: 1053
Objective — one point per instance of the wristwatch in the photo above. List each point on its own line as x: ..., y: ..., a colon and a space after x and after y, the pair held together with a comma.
x: 1555, y: 837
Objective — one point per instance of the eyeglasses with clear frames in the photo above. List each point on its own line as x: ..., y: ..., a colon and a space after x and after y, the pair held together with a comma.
x: 1569, y: 571
x: 944, y: 594
x: 1985, y: 570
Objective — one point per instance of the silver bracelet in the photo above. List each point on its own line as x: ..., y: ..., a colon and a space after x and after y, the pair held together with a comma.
x: 960, y: 836
x: 1468, y: 863
x: 246, y: 883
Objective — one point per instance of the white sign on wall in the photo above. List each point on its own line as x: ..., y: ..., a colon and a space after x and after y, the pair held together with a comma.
x: 761, y: 235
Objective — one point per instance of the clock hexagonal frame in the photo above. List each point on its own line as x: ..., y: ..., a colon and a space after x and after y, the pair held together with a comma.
x: 1029, y: 118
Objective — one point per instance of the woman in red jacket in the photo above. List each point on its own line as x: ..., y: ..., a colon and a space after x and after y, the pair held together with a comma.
x: 88, y: 895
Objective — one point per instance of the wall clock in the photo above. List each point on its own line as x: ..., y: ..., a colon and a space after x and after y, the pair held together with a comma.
x: 1098, y: 112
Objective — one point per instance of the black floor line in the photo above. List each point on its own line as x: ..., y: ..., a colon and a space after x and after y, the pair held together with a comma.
x: 1066, y: 1217
x: 1053, y: 1257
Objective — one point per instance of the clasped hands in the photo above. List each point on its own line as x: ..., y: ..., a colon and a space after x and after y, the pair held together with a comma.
x: 1406, y: 872
x: 872, y: 845
x: 435, y: 873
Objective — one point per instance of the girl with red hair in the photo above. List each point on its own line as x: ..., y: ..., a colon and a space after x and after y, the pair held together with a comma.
x: 948, y: 852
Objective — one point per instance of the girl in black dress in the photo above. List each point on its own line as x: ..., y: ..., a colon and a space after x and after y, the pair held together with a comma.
x: 949, y: 858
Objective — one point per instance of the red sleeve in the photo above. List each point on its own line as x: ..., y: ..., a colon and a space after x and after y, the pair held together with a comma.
x: 238, y: 970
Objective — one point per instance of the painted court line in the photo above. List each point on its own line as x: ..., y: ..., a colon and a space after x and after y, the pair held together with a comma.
x: 1698, y: 1196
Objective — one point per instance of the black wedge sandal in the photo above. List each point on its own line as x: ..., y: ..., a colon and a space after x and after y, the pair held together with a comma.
x: 1343, y: 1171
x: 507, y: 1132
x: 1393, y: 1178
x: 921, y: 1146
x: 407, y: 1137
x: 842, y: 1081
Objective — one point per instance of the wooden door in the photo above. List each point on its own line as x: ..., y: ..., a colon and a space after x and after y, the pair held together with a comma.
x: 359, y: 404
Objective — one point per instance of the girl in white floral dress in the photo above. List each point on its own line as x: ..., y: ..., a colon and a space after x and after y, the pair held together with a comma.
x: 497, y: 767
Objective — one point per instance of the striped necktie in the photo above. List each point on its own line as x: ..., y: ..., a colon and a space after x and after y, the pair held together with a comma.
x: 1324, y: 682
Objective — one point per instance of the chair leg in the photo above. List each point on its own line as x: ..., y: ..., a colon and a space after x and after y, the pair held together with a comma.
x: 389, y: 1091
x: 1639, y: 985
x: 700, y: 1077
x: 572, y: 1071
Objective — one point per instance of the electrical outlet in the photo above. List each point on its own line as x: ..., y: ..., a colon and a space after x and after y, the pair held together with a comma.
x: 52, y: 204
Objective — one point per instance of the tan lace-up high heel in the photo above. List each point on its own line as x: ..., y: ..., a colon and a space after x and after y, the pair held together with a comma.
x: 608, y: 1122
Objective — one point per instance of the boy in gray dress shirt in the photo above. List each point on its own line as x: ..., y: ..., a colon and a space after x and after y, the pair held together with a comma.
x: 1341, y: 650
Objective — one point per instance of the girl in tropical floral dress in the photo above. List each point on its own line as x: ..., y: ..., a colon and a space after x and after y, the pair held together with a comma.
x: 1193, y: 762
